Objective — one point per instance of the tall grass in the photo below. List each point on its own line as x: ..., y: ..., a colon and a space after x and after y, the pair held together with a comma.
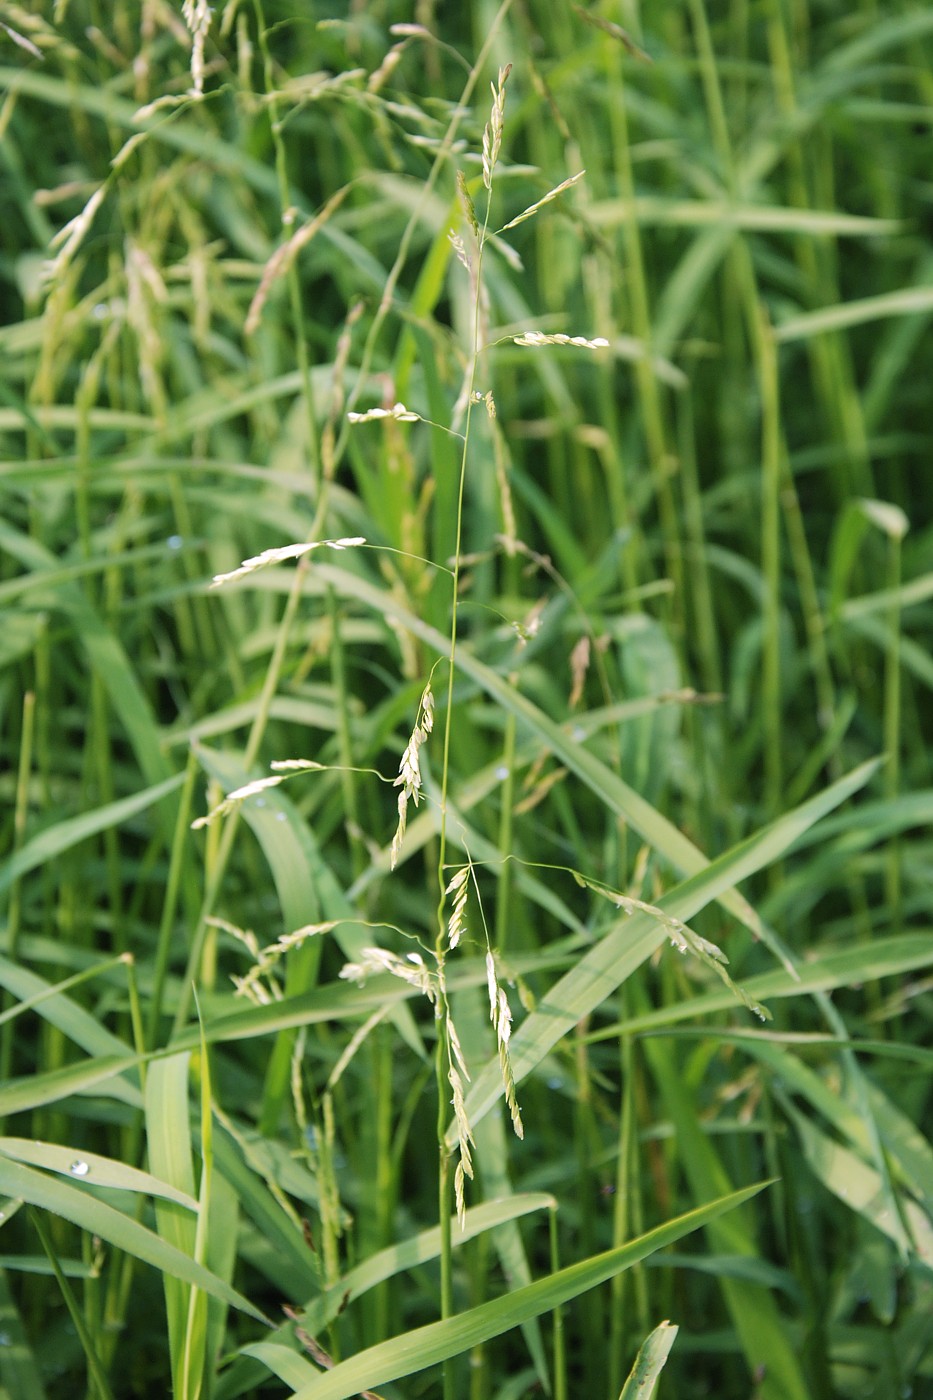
x: 464, y: 687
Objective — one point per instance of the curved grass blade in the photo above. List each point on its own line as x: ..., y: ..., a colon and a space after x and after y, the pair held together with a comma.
x: 100, y: 1075
x: 122, y: 1231
x: 649, y: 823
x: 631, y: 940
x: 410, y: 1253
x: 649, y: 1363
x: 861, y: 1188
x: 61, y: 837
x: 103, y: 1171
x: 434, y: 1343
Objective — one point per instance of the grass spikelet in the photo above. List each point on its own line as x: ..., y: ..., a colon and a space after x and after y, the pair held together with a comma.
x: 400, y: 829
x: 466, y: 203
x: 337, y: 391
x: 259, y: 984
x: 70, y: 238
x: 287, y: 767
x: 145, y: 290
x: 399, y: 412
x: 280, y: 553
x: 197, y: 14
x: 409, y: 776
x: 233, y: 799
x: 459, y: 887
x: 456, y: 1047
x: 540, y: 203
x: 411, y: 969
x: 615, y: 31
x: 459, y: 247
x: 579, y: 665
x: 21, y: 41
x: 464, y: 1143
x: 538, y: 338
x: 500, y: 1013
x: 492, y: 134
x: 284, y: 258
x: 503, y: 462
x: 685, y: 940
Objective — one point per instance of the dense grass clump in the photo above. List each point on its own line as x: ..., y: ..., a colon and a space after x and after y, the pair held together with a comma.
x: 466, y: 562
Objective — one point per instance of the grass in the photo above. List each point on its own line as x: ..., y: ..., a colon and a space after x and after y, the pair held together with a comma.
x: 464, y: 700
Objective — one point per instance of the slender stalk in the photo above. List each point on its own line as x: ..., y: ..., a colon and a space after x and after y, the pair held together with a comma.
x: 619, y: 1327
x: 770, y: 566
x: 170, y: 903
x: 288, y: 216
x: 892, y: 727
x: 557, y: 1333
x: 273, y: 671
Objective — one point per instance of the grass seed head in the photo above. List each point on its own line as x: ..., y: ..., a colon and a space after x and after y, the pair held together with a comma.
x: 492, y: 135
x: 459, y: 887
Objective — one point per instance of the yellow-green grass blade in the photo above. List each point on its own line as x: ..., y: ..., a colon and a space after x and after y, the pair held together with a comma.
x: 285, y: 1363
x: 48, y: 845
x: 103, y: 1171
x: 631, y: 940
x: 867, y: 1122
x: 649, y: 1363
x: 292, y: 1265
x: 850, y: 1178
x: 764, y: 1341
x: 50, y: 1001
x: 168, y: 1142
x: 410, y: 1253
x: 222, y: 1255
x: 652, y: 211
x: 908, y: 1148
x: 823, y: 971
x: 122, y: 1231
x: 649, y: 823
x: 101, y: 1075
x: 909, y: 301
x: 196, y: 1322
x: 436, y: 1342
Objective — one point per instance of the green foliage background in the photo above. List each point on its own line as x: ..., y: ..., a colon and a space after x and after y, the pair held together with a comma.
x: 694, y: 569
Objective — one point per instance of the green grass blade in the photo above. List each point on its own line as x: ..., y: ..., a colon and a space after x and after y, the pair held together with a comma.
x: 427, y: 1346
x: 19, y: 1371
x: 632, y: 939
x: 102, y: 1075
x: 649, y: 1363
x: 125, y: 1233
x: 65, y: 835
x: 410, y: 1253
x: 168, y: 1138
x: 103, y: 1171
x: 861, y: 1188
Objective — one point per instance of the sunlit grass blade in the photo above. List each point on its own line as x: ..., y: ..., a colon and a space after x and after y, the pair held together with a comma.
x: 69, y: 833
x: 860, y: 1187
x: 652, y: 1354
x: 633, y: 939
x: 103, y: 1171
x: 120, y: 1230
x: 427, y: 1346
